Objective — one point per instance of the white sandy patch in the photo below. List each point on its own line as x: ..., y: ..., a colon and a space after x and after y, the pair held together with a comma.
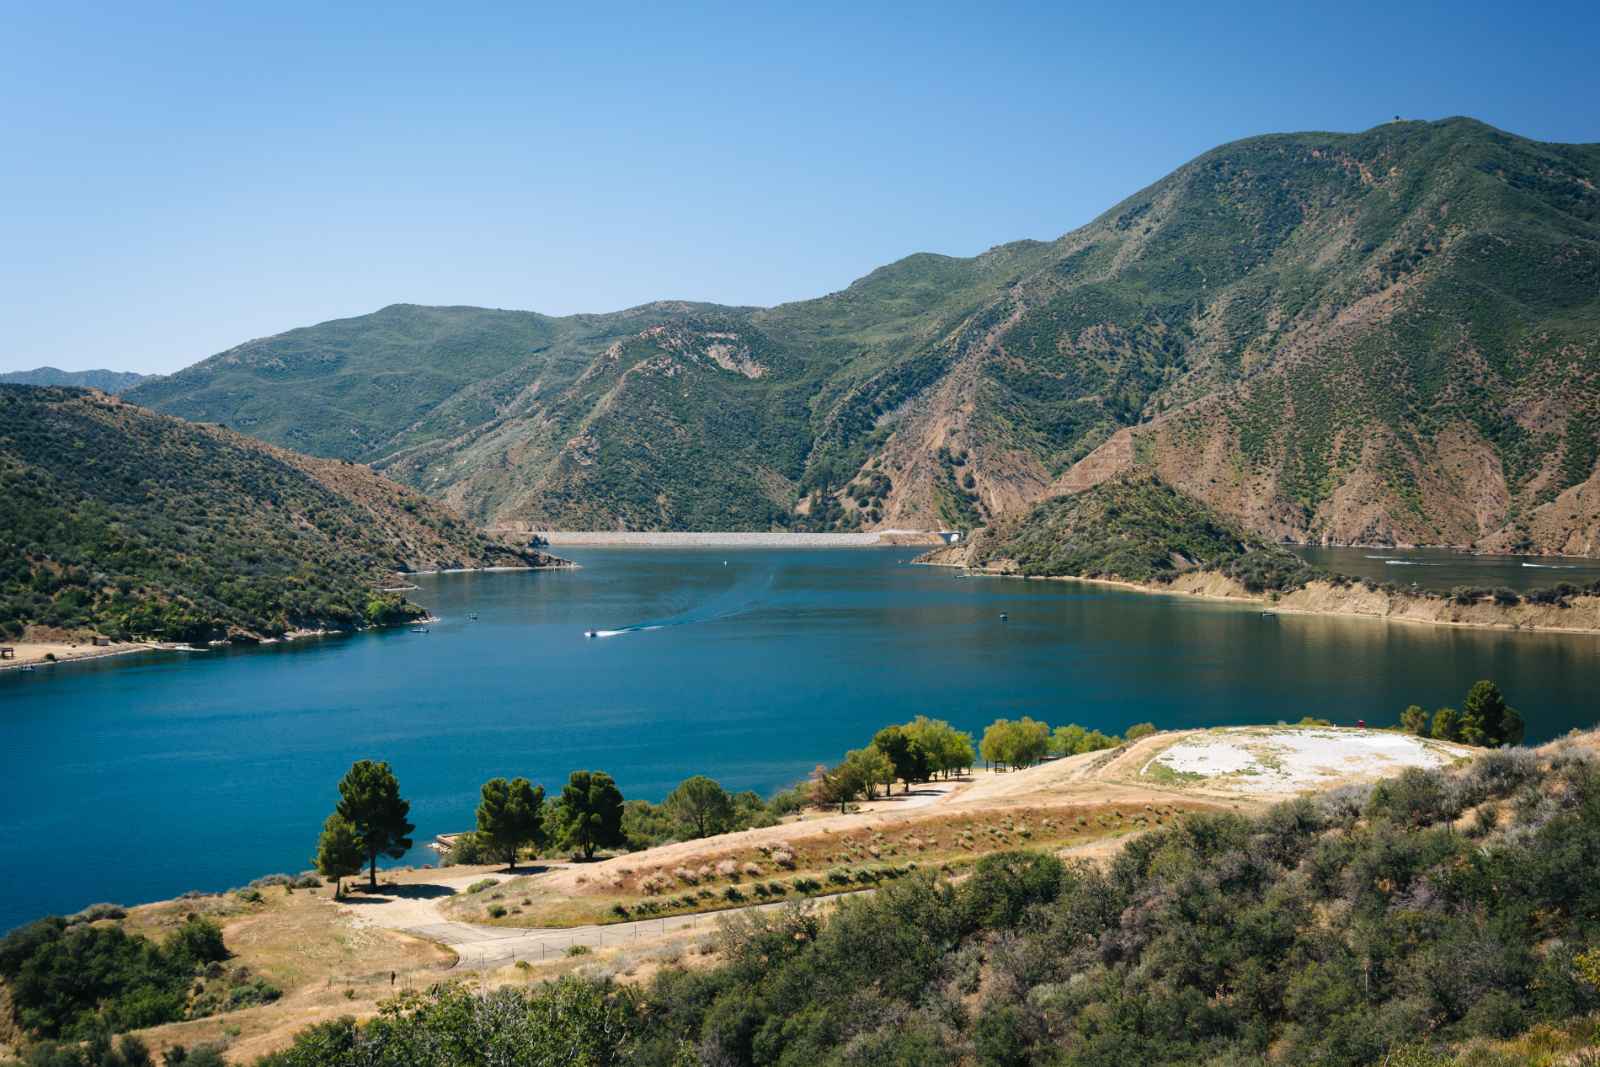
x: 1289, y: 760
x: 1205, y: 757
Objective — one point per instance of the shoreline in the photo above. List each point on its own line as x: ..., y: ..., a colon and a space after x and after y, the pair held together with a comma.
x: 741, y: 539
x: 66, y: 653
x: 1466, y: 549
x: 1274, y: 607
x: 562, y: 566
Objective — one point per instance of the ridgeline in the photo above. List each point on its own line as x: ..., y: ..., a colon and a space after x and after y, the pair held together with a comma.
x: 1382, y: 337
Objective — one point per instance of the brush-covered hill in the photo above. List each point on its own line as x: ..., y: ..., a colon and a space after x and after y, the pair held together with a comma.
x: 1132, y: 528
x: 120, y: 521
x: 1136, y: 528
x: 1390, y: 336
x: 107, y: 381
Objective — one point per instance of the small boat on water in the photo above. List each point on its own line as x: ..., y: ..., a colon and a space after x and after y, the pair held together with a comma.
x: 591, y: 633
x: 1004, y: 617
x: 473, y: 615
x: 419, y: 629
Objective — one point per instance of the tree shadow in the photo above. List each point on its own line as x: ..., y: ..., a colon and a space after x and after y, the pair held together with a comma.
x: 522, y: 870
x: 363, y: 894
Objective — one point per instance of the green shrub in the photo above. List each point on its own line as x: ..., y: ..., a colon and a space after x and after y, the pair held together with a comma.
x: 76, y: 980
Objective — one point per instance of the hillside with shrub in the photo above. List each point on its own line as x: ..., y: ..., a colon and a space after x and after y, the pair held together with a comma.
x: 122, y: 522
x: 1379, y: 337
x: 1135, y: 529
x: 1434, y: 918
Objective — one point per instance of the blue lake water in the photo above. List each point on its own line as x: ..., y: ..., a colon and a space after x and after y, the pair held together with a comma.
x: 139, y: 777
x: 1442, y: 569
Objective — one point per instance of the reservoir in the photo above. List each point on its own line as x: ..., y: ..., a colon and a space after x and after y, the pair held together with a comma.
x: 139, y: 777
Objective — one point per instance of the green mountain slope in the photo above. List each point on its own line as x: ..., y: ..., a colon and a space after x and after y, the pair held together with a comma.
x: 107, y: 381
x: 1391, y: 336
x: 120, y: 521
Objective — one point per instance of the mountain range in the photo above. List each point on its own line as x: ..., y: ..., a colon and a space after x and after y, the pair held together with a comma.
x: 1385, y: 337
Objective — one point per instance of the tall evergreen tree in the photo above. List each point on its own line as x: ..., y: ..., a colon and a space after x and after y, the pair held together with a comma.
x: 510, y: 816
x: 1487, y: 720
x: 591, y: 812
x: 369, y: 799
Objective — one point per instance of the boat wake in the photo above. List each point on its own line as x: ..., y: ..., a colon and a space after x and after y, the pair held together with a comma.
x: 1553, y: 566
x: 736, y: 601
x: 625, y: 630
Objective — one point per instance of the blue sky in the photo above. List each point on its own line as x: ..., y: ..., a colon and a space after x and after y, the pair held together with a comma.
x: 178, y: 179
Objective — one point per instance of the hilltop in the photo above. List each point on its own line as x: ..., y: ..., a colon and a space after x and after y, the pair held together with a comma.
x: 1383, y: 337
x: 123, y: 522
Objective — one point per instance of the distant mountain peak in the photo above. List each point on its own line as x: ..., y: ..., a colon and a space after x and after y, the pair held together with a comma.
x: 107, y: 381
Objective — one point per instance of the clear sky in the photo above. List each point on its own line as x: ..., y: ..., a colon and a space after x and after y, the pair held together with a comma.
x: 177, y: 179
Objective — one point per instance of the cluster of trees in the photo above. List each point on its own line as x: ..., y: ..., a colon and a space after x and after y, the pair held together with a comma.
x: 1485, y: 719
x: 1370, y: 925
x: 700, y: 807
x: 1026, y: 741
x: 74, y: 979
x: 514, y: 819
x: 372, y: 820
x: 925, y: 749
x: 1015, y: 743
x: 917, y: 751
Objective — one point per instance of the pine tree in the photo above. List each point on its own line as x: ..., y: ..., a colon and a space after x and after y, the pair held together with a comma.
x: 339, y: 852
x: 591, y: 812
x: 510, y: 816
x: 369, y: 799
